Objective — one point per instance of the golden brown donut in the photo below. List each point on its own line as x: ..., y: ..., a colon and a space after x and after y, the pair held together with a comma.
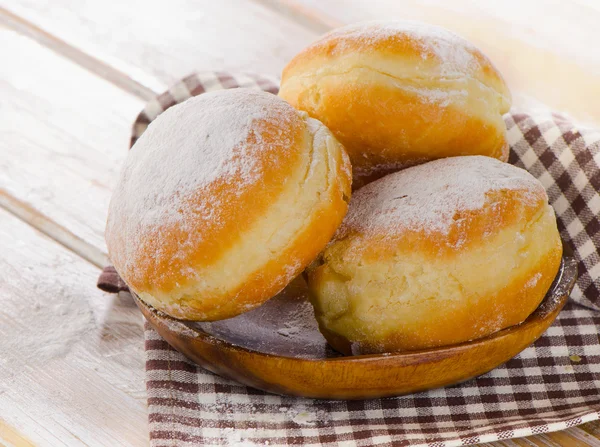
x: 223, y: 201
x: 436, y: 254
x: 400, y: 93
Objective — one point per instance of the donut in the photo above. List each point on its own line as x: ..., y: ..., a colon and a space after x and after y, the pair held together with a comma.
x: 223, y: 201
x: 437, y: 254
x: 397, y: 93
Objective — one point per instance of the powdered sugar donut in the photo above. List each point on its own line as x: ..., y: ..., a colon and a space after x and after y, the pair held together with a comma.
x: 223, y: 201
x: 436, y: 254
x: 400, y: 93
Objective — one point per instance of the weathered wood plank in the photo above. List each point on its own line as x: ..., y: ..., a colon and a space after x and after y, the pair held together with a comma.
x: 72, y: 367
x: 307, y: 15
x: 156, y: 43
x: 575, y: 436
x: 63, y: 137
x: 60, y: 234
x: 96, y: 66
x: 592, y: 428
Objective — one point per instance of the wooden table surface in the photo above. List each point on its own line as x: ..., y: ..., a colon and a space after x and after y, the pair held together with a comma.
x: 73, y: 76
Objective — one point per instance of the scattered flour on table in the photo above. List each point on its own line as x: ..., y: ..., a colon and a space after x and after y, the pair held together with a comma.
x: 297, y: 411
x: 428, y: 197
x: 49, y: 324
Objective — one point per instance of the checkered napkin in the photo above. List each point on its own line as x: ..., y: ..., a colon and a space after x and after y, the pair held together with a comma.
x: 552, y: 385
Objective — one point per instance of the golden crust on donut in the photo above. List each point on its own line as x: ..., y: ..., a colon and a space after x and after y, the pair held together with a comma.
x: 400, y: 93
x: 407, y: 273
x: 209, y: 242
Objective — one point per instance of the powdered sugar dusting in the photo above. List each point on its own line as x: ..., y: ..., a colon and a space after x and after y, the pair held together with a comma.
x: 442, y: 98
x: 455, y: 53
x: 185, y: 149
x: 430, y: 196
x: 533, y: 280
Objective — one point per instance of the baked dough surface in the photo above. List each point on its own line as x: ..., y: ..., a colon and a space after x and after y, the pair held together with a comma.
x: 437, y: 254
x: 398, y: 93
x: 223, y: 201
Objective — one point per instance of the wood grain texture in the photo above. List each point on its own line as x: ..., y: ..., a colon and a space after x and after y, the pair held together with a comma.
x: 63, y: 137
x: 572, y: 437
x: 269, y: 367
x: 60, y: 234
x: 307, y: 16
x: 72, y: 366
x: 88, y: 61
x: 543, y: 51
x: 156, y: 43
x: 11, y: 436
x: 593, y: 429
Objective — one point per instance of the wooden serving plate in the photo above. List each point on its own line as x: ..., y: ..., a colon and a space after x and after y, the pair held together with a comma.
x: 278, y: 348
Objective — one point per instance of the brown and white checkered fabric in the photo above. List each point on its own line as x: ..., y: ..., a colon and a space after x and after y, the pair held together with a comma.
x: 550, y: 386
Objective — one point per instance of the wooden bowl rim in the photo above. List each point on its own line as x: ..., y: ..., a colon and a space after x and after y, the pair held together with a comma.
x: 549, y: 308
